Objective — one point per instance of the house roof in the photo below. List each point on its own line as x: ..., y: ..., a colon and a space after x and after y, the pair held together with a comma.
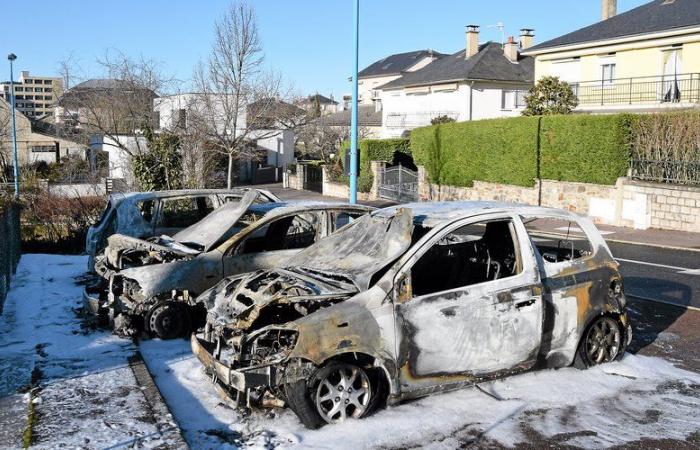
x: 659, y: 15
x: 488, y: 64
x: 366, y: 117
x: 395, y: 64
x: 322, y: 99
x: 103, y: 83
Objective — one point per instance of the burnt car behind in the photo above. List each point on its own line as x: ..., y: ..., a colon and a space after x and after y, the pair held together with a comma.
x: 145, y: 214
x: 150, y: 285
x: 413, y: 300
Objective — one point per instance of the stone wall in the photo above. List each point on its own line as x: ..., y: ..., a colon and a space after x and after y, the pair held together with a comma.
x: 628, y: 203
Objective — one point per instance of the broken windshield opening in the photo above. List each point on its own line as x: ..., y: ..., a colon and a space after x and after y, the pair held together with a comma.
x: 361, y: 248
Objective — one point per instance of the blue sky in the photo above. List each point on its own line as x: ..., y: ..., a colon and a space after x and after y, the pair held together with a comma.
x: 308, y: 41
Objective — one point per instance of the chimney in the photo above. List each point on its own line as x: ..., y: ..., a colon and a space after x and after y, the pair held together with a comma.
x: 609, y: 9
x: 527, y: 38
x: 472, y: 40
x: 511, y: 50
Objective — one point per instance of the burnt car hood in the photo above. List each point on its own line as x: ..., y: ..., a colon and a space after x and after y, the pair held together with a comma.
x: 198, y: 238
x: 275, y: 296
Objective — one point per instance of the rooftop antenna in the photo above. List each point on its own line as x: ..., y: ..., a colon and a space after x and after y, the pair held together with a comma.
x: 501, y: 27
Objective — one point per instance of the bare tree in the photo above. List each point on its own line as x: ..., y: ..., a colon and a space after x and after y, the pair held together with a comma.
x: 236, y: 96
x: 323, y: 141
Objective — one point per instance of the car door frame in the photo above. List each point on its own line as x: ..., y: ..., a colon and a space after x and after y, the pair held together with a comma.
x: 415, y: 385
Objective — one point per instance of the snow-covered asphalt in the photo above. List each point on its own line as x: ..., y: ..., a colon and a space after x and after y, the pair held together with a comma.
x: 89, y: 398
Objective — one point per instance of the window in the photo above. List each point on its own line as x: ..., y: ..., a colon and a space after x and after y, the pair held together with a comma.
x: 293, y: 232
x: 39, y: 89
x: 146, y: 208
x: 472, y: 254
x: 557, y: 240
x: 43, y: 149
x: 28, y: 81
x: 340, y: 219
x: 608, y: 73
x: 19, y: 89
x: 48, y: 90
x: 512, y: 99
x: 183, y: 212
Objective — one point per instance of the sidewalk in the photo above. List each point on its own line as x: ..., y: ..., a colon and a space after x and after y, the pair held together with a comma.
x: 679, y: 240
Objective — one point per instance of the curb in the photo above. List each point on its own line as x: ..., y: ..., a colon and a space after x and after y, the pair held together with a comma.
x: 665, y: 302
x: 166, y: 424
x: 644, y: 244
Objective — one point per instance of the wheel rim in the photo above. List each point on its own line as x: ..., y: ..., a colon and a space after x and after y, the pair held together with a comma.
x: 603, y: 341
x: 344, y: 392
x: 166, y: 322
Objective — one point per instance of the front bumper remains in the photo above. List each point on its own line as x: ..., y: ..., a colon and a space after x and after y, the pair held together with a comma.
x: 241, y: 380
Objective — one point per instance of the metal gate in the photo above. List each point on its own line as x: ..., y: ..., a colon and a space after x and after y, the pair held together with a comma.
x: 313, y: 178
x: 399, y: 184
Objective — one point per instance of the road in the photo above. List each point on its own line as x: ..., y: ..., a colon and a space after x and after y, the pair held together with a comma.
x: 660, y: 274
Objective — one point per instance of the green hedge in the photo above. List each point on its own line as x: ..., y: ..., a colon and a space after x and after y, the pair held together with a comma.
x: 496, y: 150
x: 389, y: 150
x: 585, y: 148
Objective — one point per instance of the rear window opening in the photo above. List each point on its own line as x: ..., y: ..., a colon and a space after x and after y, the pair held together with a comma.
x: 558, y: 240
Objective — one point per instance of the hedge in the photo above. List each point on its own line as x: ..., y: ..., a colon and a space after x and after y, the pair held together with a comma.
x: 582, y: 148
x: 496, y: 150
x: 585, y: 148
x: 390, y: 150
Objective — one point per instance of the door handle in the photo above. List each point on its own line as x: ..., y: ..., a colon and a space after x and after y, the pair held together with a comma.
x: 525, y: 303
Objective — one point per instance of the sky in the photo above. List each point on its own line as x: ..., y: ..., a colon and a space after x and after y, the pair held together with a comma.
x: 308, y: 42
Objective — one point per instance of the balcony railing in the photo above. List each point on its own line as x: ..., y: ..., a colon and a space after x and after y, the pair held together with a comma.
x: 415, y: 120
x: 683, y: 88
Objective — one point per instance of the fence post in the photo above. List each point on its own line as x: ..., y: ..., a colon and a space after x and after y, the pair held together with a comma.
x: 630, y: 90
x: 400, y: 181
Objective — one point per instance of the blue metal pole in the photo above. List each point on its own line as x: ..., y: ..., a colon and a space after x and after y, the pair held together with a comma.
x: 353, y: 121
x: 12, y: 57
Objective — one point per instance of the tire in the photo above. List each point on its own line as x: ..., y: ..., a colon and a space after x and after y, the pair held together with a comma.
x: 602, y: 342
x: 319, y: 400
x: 168, y: 320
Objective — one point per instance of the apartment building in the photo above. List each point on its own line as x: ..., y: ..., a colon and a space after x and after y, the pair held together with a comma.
x: 35, y: 96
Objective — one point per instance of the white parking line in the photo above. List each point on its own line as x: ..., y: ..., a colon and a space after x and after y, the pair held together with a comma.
x: 683, y: 270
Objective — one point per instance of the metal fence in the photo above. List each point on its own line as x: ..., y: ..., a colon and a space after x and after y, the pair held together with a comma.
x: 680, y: 88
x: 10, y: 250
x: 679, y: 172
x: 399, y: 184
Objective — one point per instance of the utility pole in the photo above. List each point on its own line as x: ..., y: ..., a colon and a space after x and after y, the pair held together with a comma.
x: 353, y: 121
x: 11, y: 57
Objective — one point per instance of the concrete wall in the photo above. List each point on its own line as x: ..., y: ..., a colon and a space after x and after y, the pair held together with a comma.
x: 77, y: 189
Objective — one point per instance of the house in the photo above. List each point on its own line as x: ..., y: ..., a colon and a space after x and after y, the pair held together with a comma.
x: 645, y: 59
x: 369, y: 121
x: 35, y: 141
x: 35, y: 96
x: 480, y: 81
x: 325, y: 104
x: 386, y: 70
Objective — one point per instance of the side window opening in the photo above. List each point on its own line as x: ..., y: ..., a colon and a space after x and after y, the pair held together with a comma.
x: 342, y: 218
x: 473, y: 254
x: 287, y: 233
x: 557, y: 239
x: 147, y: 207
x: 179, y: 213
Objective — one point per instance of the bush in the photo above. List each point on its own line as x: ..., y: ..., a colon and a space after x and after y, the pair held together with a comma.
x: 54, y: 224
x: 496, y: 150
x: 394, y: 151
x: 585, y: 148
x: 550, y: 96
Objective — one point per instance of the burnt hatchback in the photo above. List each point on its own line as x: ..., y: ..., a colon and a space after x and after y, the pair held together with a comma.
x: 413, y: 300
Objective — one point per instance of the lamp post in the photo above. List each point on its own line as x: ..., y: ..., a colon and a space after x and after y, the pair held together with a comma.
x: 15, y: 166
x: 353, y: 120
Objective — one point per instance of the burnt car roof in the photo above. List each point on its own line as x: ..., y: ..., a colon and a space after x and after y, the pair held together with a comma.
x: 138, y: 196
x: 282, y: 208
x: 431, y: 214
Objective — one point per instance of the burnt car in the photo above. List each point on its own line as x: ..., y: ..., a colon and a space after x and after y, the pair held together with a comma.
x: 146, y: 214
x: 413, y: 300
x: 151, y: 285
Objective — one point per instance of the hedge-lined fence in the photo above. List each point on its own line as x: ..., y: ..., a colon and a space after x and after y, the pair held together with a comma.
x: 9, y: 245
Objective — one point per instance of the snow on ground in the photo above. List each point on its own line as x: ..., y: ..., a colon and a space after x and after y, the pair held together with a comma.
x: 88, y: 396
x: 639, y: 397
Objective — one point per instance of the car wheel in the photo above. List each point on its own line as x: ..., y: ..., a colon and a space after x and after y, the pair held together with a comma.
x: 336, y: 392
x: 168, y: 321
x: 602, y: 342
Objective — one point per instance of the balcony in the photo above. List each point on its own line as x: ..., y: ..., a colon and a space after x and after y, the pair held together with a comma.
x: 409, y: 121
x: 665, y: 91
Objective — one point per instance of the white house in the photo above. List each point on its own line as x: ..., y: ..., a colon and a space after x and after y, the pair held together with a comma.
x: 481, y: 81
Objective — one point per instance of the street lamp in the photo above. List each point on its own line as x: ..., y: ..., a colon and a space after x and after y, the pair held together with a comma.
x: 353, y: 120
x: 15, y: 166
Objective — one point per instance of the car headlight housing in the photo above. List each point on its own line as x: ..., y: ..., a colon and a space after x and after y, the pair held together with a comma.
x: 269, y: 346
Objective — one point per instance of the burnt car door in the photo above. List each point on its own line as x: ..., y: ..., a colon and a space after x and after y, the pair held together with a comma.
x: 273, y: 243
x: 468, y: 305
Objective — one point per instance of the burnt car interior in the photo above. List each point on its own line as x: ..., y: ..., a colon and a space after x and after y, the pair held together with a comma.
x: 472, y: 254
x: 287, y: 233
x: 557, y: 240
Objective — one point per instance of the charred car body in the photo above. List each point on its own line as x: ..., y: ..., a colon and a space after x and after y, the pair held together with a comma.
x: 409, y: 301
x: 145, y: 214
x: 150, y: 284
